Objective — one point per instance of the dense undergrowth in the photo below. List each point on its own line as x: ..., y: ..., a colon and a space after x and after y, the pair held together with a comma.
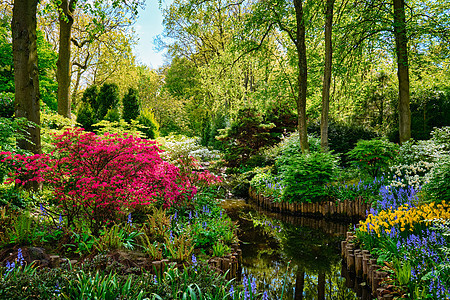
x: 407, y: 186
x: 111, y: 204
x: 114, y: 193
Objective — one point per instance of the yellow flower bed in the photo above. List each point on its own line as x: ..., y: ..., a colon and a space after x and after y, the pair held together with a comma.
x: 404, y: 217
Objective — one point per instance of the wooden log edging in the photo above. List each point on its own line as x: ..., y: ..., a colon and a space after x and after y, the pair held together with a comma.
x: 363, y: 267
x: 229, y: 263
x: 351, y: 209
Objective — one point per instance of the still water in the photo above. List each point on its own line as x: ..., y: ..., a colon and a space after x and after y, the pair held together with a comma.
x: 290, y: 257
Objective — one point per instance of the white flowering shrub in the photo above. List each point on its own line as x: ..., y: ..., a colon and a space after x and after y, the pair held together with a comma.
x: 417, y: 159
x: 414, y: 175
x: 179, y: 146
x: 441, y: 136
x: 415, y: 151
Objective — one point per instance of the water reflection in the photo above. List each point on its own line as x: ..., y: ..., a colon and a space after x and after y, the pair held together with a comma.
x: 286, y: 257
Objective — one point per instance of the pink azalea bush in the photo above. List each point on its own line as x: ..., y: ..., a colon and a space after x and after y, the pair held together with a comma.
x: 93, y: 178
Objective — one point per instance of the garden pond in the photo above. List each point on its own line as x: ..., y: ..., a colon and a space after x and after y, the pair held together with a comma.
x: 292, y: 257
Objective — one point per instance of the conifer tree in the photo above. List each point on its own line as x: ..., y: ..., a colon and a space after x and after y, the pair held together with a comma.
x: 130, y: 105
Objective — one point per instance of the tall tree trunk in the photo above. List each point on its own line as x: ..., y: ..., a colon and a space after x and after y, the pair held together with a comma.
x: 66, y: 9
x: 326, y: 75
x: 26, y: 70
x: 302, y: 75
x: 401, y: 49
x: 299, y: 285
x: 321, y: 286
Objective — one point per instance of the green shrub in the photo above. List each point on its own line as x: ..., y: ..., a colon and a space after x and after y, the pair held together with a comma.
x: 119, y: 127
x: 343, y: 137
x: 240, y: 183
x: 31, y: 283
x: 52, y: 123
x: 11, y: 129
x: 90, y: 96
x: 147, y: 119
x: 23, y: 230
x: 108, y: 97
x: 86, y: 116
x: 13, y: 197
x: 265, y: 183
x: 290, y: 145
x: 429, y: 108
x: 245, y: 137
x: 303, y: 177
x: 112, y: 115
x: 130, y: 105
x: 283, y: 117
x: 439, y: 185
x: 6, y: 105
x: 374, y: 156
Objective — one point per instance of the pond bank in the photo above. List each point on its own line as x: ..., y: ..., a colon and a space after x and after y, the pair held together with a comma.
x: 295, y: 256
x: 336, y: 210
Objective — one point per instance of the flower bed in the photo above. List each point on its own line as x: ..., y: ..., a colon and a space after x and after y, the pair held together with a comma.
x: 410, y: 241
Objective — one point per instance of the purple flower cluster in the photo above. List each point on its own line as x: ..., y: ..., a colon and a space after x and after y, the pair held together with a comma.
x: 20, y: 258
x: 231, y: 291
x: 9, y: 267
x: 60, y: 222
x: 274, y: 186
x: 245, y: 284
x: 12, y: 265
x: 43, y: 212
x: 206, y: 210
x: 437, y: 287
x: 349, y: 191
x: 129, y: 221
x: 392, y: 198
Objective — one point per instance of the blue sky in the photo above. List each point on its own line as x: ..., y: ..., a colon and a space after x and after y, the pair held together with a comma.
x: 148, y: 26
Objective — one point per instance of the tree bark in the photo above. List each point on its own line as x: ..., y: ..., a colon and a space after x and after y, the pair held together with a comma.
x: 299, y: 285
x: 66, y: 9
x: 321, y: 286
x: 401, y: 49
x: 26, y: 71
x: 326, y: 75
x: 302, y: 75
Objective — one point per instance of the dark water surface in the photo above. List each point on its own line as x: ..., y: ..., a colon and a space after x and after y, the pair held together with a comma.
x: 296, y: 257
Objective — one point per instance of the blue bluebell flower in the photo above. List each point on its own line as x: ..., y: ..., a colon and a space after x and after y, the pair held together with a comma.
x: 231, y: 291
x: 129, y: 221
x: 20, y: 256
x: 253, y: 286
x: 57, y: 288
